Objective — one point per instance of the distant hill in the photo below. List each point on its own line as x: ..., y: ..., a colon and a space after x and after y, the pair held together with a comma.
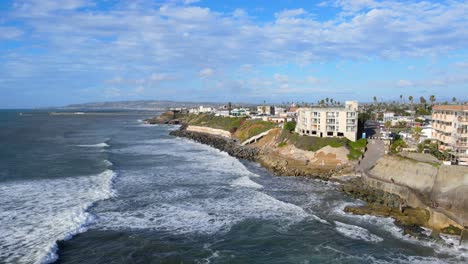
x: 138, y: 105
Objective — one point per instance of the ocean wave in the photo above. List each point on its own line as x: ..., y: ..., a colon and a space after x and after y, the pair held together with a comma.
x: 202, y: 216
x: 108, y: 163
x: 245, y: 181
x: 99, y: 145
x: 356, y: 232
x: 35, y: 215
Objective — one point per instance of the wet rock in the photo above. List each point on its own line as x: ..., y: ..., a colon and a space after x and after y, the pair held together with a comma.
x: 231, y: 146
x: 451, y: 230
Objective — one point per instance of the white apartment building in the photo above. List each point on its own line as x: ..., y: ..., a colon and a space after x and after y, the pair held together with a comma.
x: 450, y: 128
x: 329, y: 121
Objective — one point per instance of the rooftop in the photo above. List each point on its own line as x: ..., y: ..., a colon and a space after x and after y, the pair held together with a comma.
x: 451, y: 107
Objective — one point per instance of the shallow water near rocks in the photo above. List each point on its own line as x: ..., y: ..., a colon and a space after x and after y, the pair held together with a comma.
x: 113, y: 190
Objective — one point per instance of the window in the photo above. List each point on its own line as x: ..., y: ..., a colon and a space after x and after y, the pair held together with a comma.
x: 314, y: 132
x: 340, y: 134
x: 330, y: 134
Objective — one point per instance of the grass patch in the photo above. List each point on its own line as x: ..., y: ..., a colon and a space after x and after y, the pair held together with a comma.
x: 282, y: 144
x: 250, y: 128
x: 356, y: 149
x: 241, y: 127
x: 354, y: 154
x: 230, y: 124
x: 311, y: 143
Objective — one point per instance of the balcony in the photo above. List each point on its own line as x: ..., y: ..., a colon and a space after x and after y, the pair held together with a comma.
x: 462, y: 120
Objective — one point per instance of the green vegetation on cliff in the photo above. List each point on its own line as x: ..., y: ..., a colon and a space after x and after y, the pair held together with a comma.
x: 311, y: 143
x: 290, y: 126
x: 230, y: 124
x: 356, y: 149
x: 240, y: 127
x: 250, y: 128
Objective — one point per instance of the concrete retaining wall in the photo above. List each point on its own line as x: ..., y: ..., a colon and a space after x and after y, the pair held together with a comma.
x: 208, y: 130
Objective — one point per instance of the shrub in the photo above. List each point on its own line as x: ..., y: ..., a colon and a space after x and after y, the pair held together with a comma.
x: 289, y: 126
x: 354, y: 154
x: 397, y: 145
x: 282, y: 144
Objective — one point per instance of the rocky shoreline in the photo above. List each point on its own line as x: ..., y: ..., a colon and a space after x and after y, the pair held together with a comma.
x: 229, y: 146
x: 379, y: 202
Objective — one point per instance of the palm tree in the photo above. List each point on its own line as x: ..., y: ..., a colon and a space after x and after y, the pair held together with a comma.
x: 331, y: 101
x: 422, y: 100
x: 432, y: 99
x: 410, y: 98
x: 401, y: 98
x: 454, y: 100
x: 375, y: 99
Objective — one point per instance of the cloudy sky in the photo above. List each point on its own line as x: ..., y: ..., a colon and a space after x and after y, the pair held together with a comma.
x: 57, y: 52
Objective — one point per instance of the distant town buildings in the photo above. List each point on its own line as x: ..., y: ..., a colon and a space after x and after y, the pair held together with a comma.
x: 266, y: 110
x: 337, y: 121
x: 450, y: 128
x: 201, y: 109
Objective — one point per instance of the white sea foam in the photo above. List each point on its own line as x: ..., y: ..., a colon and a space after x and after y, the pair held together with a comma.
x: 449, y: 245
x: 36, y: 214
x: 108, y: 163
x: 245, y: 181
x: 206, y: 216
x: 323, y: 221
x: 99, y: 145
x: 356, y: 232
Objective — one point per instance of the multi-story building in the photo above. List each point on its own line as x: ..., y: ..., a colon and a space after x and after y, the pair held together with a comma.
x: 265, y: 110
x: 450, y: 128
x: 329, y: 121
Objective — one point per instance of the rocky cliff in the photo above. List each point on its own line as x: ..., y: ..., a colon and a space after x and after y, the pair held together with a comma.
x: 439, y: 189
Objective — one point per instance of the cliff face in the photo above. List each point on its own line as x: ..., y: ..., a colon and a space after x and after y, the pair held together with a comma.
x: 287, y: 160
x: 443, y: 190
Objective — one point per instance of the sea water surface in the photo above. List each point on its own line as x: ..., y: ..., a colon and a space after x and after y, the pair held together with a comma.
x: 106, y: 188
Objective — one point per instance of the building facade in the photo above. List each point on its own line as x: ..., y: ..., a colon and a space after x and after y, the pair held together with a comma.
x: 329, y: 121
x: 450, y: 128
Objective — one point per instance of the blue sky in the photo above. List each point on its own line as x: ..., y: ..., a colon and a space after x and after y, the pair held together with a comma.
x: 58, y: 52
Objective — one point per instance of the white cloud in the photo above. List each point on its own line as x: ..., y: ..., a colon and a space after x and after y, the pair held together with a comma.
x: 281, y: 78
x: 10, y: 33
x: 145, y: 40
x: 206, y: 72
x: 157, y: 77
x: 461, y: 64
x: 404, y: 83
x: 188, y: 2
x: 290, y: 13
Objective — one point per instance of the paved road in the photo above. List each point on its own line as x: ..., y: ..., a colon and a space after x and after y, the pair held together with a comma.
x: 375, y: 151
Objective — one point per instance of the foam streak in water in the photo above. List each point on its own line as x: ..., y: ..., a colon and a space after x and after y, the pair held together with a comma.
x: 36, y: 214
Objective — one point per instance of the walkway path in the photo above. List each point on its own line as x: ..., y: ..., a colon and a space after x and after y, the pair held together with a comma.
x: 255, y: 138
x: 375, y: 151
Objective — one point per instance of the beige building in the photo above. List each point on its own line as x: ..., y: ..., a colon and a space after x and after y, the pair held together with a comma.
x: 450, y: 128
x: 329, y: 121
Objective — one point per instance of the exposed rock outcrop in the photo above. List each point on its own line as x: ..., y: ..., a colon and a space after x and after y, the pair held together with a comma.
x: 228, y: 145
x: 440, y: 190
x: 168, y: 117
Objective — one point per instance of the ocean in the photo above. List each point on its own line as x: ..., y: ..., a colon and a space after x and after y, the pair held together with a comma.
x: 106, y: 188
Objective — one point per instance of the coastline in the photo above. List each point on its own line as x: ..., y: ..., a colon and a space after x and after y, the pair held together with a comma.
x: 380, y: 202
